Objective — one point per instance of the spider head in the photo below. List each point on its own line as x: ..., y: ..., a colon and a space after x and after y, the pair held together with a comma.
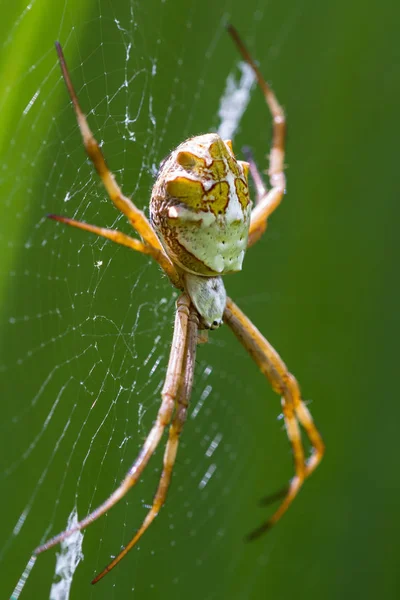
x: 209, y: 297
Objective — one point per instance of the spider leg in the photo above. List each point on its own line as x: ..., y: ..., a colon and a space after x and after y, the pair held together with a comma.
x: 261, y: 188
x: 293, y: 407
x: 182, y: 402
x: 135, y: 216
x: 267, y: 202
x: 172, y: 386
x: 125, y: 240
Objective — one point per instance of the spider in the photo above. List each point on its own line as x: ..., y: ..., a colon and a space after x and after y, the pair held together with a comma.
x: 201, y: 223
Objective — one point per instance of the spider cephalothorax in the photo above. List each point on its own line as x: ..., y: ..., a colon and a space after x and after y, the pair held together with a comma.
x: 202, y: 222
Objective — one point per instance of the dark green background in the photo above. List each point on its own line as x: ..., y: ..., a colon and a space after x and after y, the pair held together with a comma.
x: 322, y: 285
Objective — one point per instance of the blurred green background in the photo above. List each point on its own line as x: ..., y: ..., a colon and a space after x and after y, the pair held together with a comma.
x: 86, y: 326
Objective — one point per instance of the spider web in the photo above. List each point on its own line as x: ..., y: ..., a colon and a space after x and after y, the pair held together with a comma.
x: 86, y: 325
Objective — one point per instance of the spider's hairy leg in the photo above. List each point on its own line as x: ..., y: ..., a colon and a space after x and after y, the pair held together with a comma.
x: 182, y: 402
x: 293, y: 407
x: 267, y: 202
x: 135, y: 216
x: 169, y: 393
x: 125, y: 240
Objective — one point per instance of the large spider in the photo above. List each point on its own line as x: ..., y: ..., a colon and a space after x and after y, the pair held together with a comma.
x: 201, y: 223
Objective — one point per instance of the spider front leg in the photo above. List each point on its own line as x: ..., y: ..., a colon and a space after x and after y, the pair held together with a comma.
x: 266, y: 202
x: 293, y: 407
x: 183, y: 330
x: 182, y: 402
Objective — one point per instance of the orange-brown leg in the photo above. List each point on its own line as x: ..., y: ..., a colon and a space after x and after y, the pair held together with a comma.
x: 293, y: 407
x: 261, y: 188
x: 125, y: 240
x: 170, y: 392
x: 182, y: 402
x: 267, y: 202
x: 135, y: 216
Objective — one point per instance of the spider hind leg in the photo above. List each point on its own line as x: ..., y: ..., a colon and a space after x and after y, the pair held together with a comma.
x: 267, y: 201
x: 136, y: 217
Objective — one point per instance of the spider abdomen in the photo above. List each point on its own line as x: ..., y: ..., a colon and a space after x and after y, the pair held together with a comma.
x: 200, y: 206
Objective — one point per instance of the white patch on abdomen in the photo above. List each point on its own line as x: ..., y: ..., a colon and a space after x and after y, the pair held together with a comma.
x: 221, y: 240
